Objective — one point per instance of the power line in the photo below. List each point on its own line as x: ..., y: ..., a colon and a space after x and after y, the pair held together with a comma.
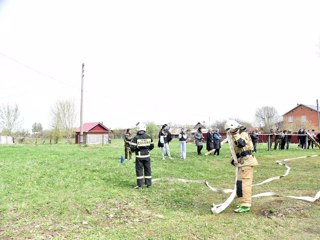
x: 37, y: 71
x: 95, y: 94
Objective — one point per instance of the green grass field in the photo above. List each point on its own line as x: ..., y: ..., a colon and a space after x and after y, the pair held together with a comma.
x: 71, y: 192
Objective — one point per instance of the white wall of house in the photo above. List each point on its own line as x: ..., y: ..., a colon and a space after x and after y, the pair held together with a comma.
x: 6, y: 140
x: 97, y: 139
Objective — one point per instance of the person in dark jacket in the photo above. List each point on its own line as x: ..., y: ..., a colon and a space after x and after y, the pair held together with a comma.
x: 209, y: 140
x: 216, y: 142
x: 303, y: 138
x: 271, y: 138
x: 277, y: 139
x: 198, y: 136
x: 164, y: 140
x: 142, y: 144
x: 283, y: 139
x: 254, y: 138
x: 288, y: 139
x: 318, y: 137
x: 127, y: 139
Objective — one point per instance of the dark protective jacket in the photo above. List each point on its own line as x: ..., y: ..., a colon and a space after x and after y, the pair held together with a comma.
x: 142, y: 144
x: 127, y: 138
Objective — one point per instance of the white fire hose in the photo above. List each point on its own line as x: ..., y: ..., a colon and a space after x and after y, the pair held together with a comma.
x: 218, y: 208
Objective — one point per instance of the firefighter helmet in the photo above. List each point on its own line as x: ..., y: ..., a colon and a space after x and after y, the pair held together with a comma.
x: 141, y: 127
x: 231, y: 125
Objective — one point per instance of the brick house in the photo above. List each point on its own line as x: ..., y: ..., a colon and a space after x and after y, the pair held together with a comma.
x: 301, y: 116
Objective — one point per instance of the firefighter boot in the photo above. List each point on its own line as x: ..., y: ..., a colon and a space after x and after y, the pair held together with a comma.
x: 242, y: 209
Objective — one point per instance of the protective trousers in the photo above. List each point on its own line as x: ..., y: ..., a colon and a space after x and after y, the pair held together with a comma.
x: 127, y: 153
x: 143, y: 172
x: 244, y: 185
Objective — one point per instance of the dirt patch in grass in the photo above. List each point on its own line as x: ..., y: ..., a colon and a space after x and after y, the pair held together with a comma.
x: 124, y: 212
x: 281, y: 212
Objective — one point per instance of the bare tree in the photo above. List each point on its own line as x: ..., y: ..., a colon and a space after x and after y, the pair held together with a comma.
x: 64, y: 118
x: 267, y: 117
x: 220, y: 124
x: 10, y: 118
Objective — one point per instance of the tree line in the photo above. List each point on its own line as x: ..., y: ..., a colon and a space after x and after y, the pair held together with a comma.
x: 63, y: 119
x: 64, y: 115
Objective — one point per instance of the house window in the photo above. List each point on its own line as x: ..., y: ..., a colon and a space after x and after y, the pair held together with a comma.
x: 303, y: 118
x: 290, y: 119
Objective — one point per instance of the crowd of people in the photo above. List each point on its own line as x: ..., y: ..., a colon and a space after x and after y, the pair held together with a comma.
x: 212, y: 140
x: 281, y: 139
x: 277, y: 139
x: 244, y: 145
x: 142, y: 143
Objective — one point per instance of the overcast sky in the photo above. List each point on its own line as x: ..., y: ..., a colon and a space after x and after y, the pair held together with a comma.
x: 162, y: 61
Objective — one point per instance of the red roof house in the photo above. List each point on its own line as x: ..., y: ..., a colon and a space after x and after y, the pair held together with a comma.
x: 93, y: 133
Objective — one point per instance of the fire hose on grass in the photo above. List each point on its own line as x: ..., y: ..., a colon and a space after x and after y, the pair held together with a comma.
x: 218, y: 208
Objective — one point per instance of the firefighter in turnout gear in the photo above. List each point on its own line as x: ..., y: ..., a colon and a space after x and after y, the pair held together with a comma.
x: 127, y: 139
x: 243, y: 147
x: 142, y: 144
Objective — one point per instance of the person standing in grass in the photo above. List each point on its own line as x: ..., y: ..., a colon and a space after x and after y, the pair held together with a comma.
x: 277, y: 139
x: 198, y: 136
x: 288, y: 139
x: 209, y: 140
x: 318, y: 137
x: 243, y: 147
x: 254, y: 138
x: 270, y: 138
x: 142, y: 144
x: 216, y: 142
x: 283, y: 139
x: 310, y: 140
x: 183, y: 144
x: 164, y: 140
x: 127, y: 140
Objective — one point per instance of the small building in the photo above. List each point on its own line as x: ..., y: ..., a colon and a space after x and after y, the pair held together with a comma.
x: 175, y: 132
x: 301, y: 116
x: 6, y: 140
x: 93, y: 133
x: 199, y: 125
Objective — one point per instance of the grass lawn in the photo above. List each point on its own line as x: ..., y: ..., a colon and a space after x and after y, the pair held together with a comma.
x: 71, y: 192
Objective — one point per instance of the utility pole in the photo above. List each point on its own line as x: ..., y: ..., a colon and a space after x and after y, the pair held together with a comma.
x: 81, y: 107
x: 318, y: 115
